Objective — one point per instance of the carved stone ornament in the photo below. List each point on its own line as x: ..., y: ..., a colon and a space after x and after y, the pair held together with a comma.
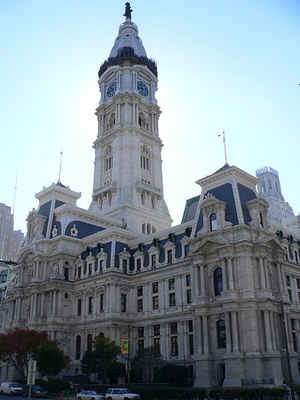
x: 54, y: 231
x: 74, y: 231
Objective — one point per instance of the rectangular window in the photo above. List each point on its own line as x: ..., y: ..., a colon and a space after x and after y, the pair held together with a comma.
x: 191, y: 344
x: 156, y: 330
x: 290, y: 295
x: 141, y: 331
x: 172, y: 299
x: 155, y: 287
x: 138, y: 264
x: 123, y: 302
x: 174, y: 346
x: 153, y: 260
x: 140, y: 305
x: 96, y: 266
x: 186, y: 250
x: 84, y: 268
x: 90, y: 305
x: 188, y: 296
x: 101, y: 264
x: 140, y: 345
x: 101, y: 302
x: 140, y: 291
x: 156, y: 344
x: 169, y: 255
x: 288, y: 280
x: 298, y: 283
x: 173, y: 328
x: 172, y: 284
x: 90, y: 269
x: 79, y: 303
x: 155, y: 303
x: 188, y: 280
x: 190, y: 325
x: 124, y: 266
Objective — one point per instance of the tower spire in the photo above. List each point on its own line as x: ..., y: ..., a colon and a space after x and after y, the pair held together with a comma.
x: 60, y: 166
x: 128, y: 11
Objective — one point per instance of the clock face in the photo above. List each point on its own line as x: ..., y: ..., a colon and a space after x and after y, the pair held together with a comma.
x: 111, y: 90
x: 142, y: 88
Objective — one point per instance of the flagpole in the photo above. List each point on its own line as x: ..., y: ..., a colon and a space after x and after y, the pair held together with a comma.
x: 224, y: 144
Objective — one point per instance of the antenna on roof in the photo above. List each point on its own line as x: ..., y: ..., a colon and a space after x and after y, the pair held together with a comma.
x: 15, y: 194
x: 224, y: 142
x: 60, y: 166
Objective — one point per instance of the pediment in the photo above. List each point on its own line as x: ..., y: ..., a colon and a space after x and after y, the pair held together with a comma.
x: 205, y: 245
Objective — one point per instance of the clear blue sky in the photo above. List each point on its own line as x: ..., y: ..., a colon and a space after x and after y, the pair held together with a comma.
x: 224, y: 64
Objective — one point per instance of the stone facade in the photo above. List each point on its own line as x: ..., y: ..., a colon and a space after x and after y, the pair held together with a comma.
x: 209, y: 293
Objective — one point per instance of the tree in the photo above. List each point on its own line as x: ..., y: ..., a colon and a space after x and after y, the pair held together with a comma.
x: 18, y: 346
x: 51, y: 359
x: 101, y: 357
x: 146, y: 364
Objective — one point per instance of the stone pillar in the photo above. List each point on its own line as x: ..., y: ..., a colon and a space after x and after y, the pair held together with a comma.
x: 202, y: 281
x: 268, y: 331
x: 262, y: 273
x: 235, y: 336
x: 230, y: 274
x: 34, y: 305
x: 195, y: 285
x: 42, y: 303
x: 54, y: 302
x: 205, y: 334
x: 197, y: 336
x: 228, y: 335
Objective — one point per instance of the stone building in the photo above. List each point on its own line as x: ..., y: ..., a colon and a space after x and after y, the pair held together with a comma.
x: 208, y: 293
x: 10, y: 240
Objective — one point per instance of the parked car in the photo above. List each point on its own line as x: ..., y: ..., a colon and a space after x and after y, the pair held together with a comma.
x: 11, y: 388
x: 120, y: 394
x: 36, y: 391
x: 89, y: 395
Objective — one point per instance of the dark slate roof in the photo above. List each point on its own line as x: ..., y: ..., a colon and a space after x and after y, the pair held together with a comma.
x: 225, y: 193
x: 84, y: 229
x: 190, y: 209
x: 128, y: 54
x: 246, y: 195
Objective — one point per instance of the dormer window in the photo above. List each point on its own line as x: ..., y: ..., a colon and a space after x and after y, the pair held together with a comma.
x: 213, y: 225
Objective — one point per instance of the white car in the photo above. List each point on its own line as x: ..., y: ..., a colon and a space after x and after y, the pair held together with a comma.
x: 120, y: 394
x: 11, y: 388
x: 89, y: 395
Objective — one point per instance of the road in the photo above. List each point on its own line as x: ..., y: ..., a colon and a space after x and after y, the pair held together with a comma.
x: 10, y: 397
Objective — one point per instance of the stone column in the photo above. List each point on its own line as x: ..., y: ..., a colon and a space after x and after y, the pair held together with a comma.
x: 202, y: 281
x: 228, y: 335
x: 197, y: 337
x: 34, y: 305
x: 235, y: 338
x: 195, y: 284
x: 268, y: 331
x: 42, y: 303
x: 54, y: 302
x: 205, y: 334
x: 230, y: 274
x: 262, y: 273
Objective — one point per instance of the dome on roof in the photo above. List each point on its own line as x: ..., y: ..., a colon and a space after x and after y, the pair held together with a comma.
x: 128, y: 37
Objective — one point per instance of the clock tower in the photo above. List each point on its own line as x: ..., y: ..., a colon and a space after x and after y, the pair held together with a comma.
x: 128, y: 182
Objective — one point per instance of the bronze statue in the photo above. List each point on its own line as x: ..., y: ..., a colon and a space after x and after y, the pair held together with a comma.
x: 128, y: 10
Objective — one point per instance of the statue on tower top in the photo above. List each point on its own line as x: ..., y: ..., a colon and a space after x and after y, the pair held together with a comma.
x: 128, y: 11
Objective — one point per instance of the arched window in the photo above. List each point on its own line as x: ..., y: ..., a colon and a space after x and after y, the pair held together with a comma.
x: 218, y: 281
x: 78, y: 347
x: 145, y: 157
x: 213, y: 222
x: 89, y: 342
x: 221, y: 334
x: 143, y: 198
x: 108, y: 159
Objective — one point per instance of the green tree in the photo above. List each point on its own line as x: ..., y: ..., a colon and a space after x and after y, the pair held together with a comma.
x: 18, y: 346
x: 51, y: 359
x: 101, y: 357
x: 146, y: 365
